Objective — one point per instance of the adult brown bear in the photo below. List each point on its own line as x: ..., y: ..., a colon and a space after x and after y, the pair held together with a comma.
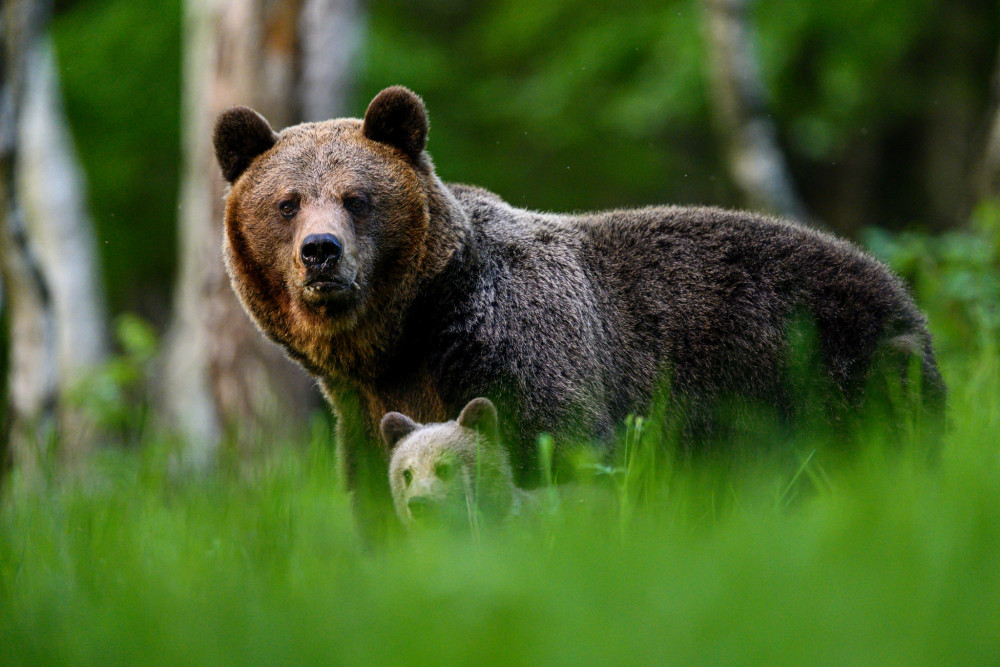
x: 401, y: 293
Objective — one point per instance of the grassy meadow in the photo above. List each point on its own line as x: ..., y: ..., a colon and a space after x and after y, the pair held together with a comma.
x: 874, y: 559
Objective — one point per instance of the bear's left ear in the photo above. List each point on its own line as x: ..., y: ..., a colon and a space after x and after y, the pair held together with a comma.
x: 397, y: 117
x: 394, y: 427
x: 241, y: 134
x: 480, y: 414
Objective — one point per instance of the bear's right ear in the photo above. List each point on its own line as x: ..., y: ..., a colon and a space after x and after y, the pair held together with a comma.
x: 395, y: 426
x: 397, y: 117
x: 480, y: 414
x: 241, y: 134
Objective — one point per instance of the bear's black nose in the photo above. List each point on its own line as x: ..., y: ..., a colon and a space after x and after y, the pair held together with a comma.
x: 419, y: 506
x: 318, y: 249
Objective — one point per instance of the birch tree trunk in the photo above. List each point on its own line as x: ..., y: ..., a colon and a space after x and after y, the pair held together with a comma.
x: 32, y: 388
x: 284, y: 58
x: 755, y: 159
x: 331, y: 32
x: 47, y: 253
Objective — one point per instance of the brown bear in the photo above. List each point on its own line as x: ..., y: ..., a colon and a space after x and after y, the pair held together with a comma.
x: 399, y: 292
x: 454, y: 473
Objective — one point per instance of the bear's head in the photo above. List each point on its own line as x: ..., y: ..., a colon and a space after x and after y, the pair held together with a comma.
x: 448, y: 473
x: 326, y: 223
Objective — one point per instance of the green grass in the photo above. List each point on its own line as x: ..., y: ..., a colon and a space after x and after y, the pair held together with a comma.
x: 876, y: 561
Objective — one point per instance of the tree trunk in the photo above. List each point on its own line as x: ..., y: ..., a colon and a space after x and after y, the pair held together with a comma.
x: 989, y: 170
x: 47, y: 253
x: 756, y: 161
x: 283, y: 58
x: 331, y: 32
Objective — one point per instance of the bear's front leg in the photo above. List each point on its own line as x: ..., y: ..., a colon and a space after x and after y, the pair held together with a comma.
x: 364, y: 465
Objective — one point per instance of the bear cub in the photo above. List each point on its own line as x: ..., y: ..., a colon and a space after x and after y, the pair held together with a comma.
x: 454, y: 473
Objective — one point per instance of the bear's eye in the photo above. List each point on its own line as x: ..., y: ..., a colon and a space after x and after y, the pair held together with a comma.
x: 288, y: 208
x: 355, y: 205
x: 444, y: 471
x: 407, y: 477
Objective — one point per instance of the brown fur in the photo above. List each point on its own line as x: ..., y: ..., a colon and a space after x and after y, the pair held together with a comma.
x: 568, y: 323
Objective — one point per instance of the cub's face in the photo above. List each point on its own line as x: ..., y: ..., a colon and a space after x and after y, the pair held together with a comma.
x: 446, y: 474
x: 432, y: 473
x: 323, y: 215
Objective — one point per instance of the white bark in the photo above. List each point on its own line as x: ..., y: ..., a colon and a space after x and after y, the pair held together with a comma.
x: 32, y: 371
x: 52, y: 192
x: 219, y: 371
x: 756, y: 161
x: 31, y: 376
x: 54, y: 310
x: 331, y: 32
x: 186, y: 393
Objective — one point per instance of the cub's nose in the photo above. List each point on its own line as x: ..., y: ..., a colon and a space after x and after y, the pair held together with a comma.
x: 419, y: 506
x: 318, y: 249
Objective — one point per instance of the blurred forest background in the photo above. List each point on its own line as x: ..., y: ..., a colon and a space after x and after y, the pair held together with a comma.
x: 873, y: 119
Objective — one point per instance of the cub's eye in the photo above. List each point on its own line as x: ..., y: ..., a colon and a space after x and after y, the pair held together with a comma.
x: 444, y: 471
x: 355, y: 205
x: 288, y: 208
x: 407, y: 477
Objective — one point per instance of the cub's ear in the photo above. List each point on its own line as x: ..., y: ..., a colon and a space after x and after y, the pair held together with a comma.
x: 397, y: 117
x: 396, y: 426
x: 241, y: 134
x: 480, y: 414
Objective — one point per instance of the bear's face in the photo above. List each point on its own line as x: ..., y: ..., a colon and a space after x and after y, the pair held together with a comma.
x: 323, y: 216
x: 445, y: 474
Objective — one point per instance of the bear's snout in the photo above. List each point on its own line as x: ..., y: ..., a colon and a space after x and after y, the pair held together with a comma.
x: 420, y: 507
x: 320, y: 251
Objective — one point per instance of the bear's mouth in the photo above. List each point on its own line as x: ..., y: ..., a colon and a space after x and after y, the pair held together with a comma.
x: 325, y: 289
x: 329, y: 285
x: 449, y: 513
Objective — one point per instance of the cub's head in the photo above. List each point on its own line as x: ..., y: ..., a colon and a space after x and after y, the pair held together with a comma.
x: 323, y: 217
x: 447, y: 473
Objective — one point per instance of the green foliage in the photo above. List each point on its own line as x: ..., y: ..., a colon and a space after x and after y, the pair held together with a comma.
x: 955, y: 277
x: 572, y: 105
x: 561, y: 105
x: 881, y: 105
x: 119, y: 62
x: 4, y: 370
x: 112, y: 396
x: 855, y: 53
